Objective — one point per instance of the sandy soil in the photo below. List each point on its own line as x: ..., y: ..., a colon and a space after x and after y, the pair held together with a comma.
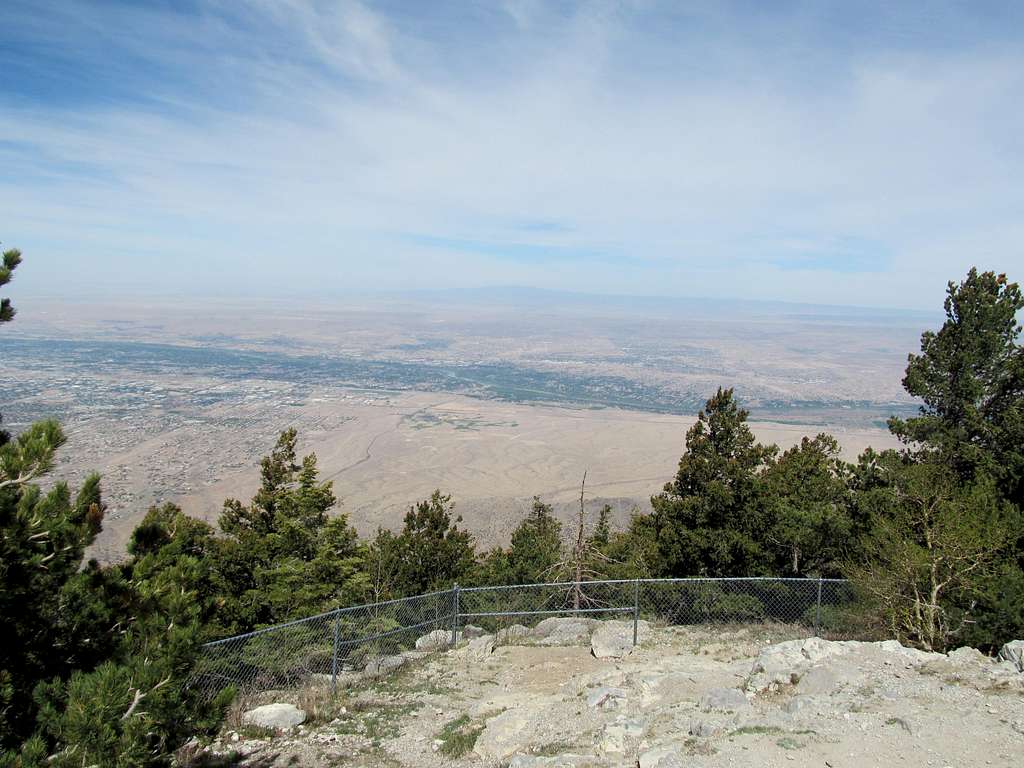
x: 492, y: 457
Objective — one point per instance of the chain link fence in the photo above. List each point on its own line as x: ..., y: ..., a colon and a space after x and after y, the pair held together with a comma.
x: 368, y: 640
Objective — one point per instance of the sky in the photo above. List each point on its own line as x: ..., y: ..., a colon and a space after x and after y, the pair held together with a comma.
x: 838, y: 153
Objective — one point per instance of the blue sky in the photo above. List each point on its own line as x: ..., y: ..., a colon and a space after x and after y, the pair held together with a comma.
x: 827, y: 152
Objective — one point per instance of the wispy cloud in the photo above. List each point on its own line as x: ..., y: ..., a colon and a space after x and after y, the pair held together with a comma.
x: 831, y: 153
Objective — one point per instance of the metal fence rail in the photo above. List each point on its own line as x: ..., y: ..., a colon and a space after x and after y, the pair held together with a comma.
x: 330, y: 645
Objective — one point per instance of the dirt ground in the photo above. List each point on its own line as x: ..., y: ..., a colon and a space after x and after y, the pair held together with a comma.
x: 843, y: 705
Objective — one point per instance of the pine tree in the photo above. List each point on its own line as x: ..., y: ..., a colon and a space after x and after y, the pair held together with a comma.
x: 806, y: 506
x: 432, y: 551
x: 710, y: 519
x: 282, y: 556
x: 970, y: 375
x: 11, y: 260
x: 536, y: 546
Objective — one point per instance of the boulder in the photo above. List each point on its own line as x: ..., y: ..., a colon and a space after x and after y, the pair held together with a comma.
x: 614, y: 639
x: 559, y: 630
x: 783, y: 663
x: 1014, y: 653
x: 276, y: 716
x: 434, y: 641
x: 504, y: 735
x: 724, y: 700
x: 478, y: 649
x: 471, y: 631
x: 383, y: 665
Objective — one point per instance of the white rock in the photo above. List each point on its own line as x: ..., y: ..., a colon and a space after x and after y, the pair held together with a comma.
x: 969, y: 656
x: 1013, y: 652
x: 796, y: 704
x: 819, y: 680
x: 383, y: 665
x: 434, y: 641
x: 913, y: 654
x: 614, y: 639
x: 276, y: 716
x: 504, y: 735
x: 478, y: 649
x: 782, y: 664
x: 559, y: 630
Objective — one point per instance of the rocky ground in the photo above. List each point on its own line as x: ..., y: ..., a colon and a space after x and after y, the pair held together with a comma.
x: 575, y: 693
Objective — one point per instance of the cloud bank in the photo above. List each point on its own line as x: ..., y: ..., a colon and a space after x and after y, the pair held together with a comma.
x: 834, y: 153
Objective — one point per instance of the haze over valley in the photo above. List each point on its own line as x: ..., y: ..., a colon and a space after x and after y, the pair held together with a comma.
x: 493, y: 396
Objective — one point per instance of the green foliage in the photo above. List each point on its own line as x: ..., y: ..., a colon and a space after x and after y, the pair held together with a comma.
x: 634, y: 553
x: 30, y: 454
x: 932, y: 545
x: 970, y: 375
x: 710, y: 521
x: 536, y: 546
x: 715, y: 605
x: 806, y: 505
x: 281, y: 556
x: 430, y: 553
x: 11, y: 260
x: 42, y: 539
x: 995, y: 612
x: 435, y: 552
x: 458, y: 737
x: 85, y: 642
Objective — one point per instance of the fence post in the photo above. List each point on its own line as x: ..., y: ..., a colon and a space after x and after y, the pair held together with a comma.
x: 334, y: 655
x: 817, y: 611
x: 455, y: 615
x: 636, y: 608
